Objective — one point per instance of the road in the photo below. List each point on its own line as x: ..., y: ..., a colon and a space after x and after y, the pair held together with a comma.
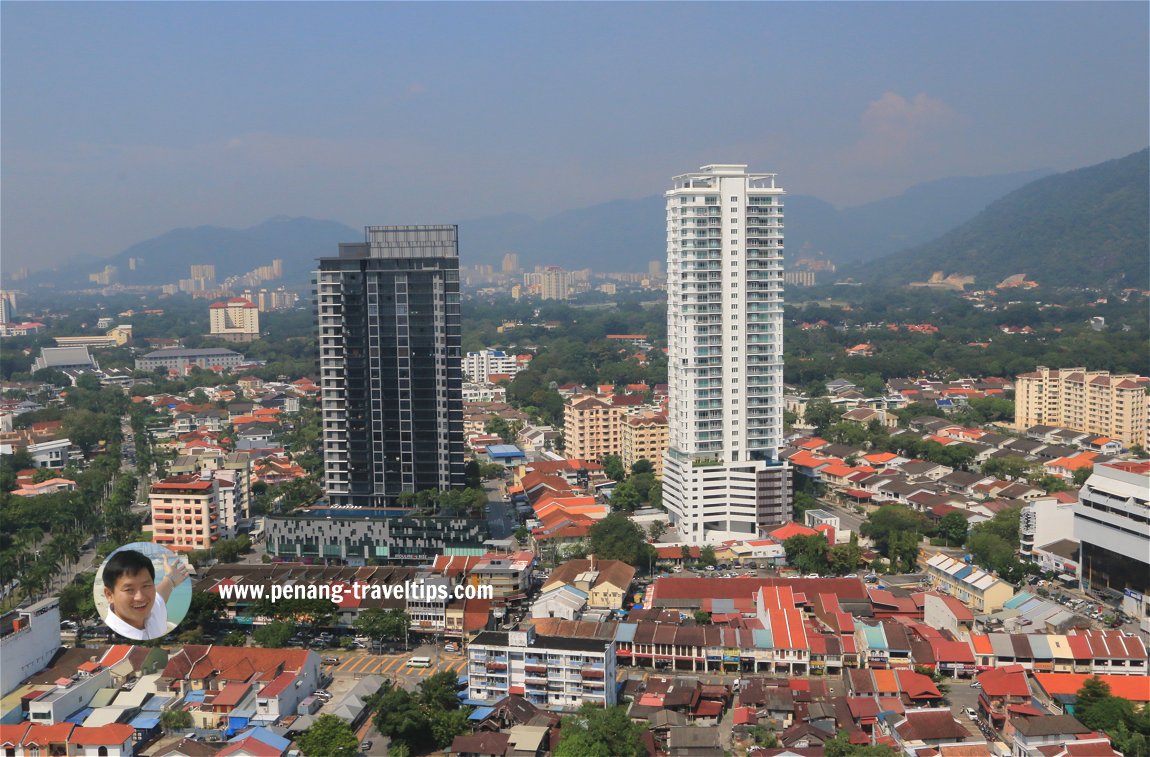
x: 848, y: 519
x: 501, y: 520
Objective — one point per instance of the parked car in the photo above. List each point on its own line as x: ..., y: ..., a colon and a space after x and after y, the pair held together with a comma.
x: 451, y: 647
x: 976, y: 685
x: 366, y: 745
x: 970, y: 713
x: 331, y: 661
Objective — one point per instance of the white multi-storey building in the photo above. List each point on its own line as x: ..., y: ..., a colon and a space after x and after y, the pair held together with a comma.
x: 722, y: 477
x: 477, y: 366
x: 1112, y: 523
x: 553, y: 672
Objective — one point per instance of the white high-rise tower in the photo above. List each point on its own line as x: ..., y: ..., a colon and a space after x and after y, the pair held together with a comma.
x: 722, y: 477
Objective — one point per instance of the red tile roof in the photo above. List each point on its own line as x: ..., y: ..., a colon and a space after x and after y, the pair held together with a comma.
x: 1008, y: 681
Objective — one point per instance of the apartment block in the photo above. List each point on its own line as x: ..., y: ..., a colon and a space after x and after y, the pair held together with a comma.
x: 555, y: 672
x: 185, y: 512
x: 477, y: 366
x: 1082, y: 400
x: 644, y: 437
x: 723, y: 477
x: 592, y: 428
x: 981, y: 591
x: 235, y: 320
x: 389, y: 337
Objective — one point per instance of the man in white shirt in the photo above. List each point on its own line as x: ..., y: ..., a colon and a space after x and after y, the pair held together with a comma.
x: 137, y: 607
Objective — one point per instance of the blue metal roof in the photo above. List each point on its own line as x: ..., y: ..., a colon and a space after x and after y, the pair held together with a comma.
x: 722, y: 605
x: 964, y: 572
x: 625, y: 632
x: 144, y: 722
x: 504, y: 450
x: 763, y: 637
x: 1017, y: 600
x: 79, y: 717
x: 480, y: 713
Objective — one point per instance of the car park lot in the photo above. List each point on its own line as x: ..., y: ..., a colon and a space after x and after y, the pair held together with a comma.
x: 395, y: 666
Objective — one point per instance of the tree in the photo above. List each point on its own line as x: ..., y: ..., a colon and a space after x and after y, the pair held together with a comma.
x: 273, y: 635
x: 953, y: 528
x: 889, y: 521
x: 616, y: 537
x: 657, y: 529
x: 844, y: 558
x: 841, y: 746
x: 1010, y: 467
x: 600, y: 732
x: 807, y: 553
x: 642, y: 465
x: 613, y: 467
x: 624, y: 498
x: 77, y: 602
x: 1081, y: 475
x: 437, y: 692
x: 383, y: 624
x: 707, y: 556
x: 329, y: 736
x: 401, y: 719
x: 447, y: 724
x: 175, y: 720
x: 702, y: 617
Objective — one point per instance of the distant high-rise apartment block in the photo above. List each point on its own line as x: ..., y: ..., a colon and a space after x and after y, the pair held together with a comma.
x: 510, y: 263
x: 7, y: 306
x: 204, y: 271
x: 722, y: 476
x: 1082, y: 400
x: 655, y: 269
x: 234, y: 320
x: 267, y: 300
x: 392, y: 386
x: 554, y: 283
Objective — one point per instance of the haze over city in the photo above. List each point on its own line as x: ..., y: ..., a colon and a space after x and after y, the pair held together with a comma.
x: 122, y: 121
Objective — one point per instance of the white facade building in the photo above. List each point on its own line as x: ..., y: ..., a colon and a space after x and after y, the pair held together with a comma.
x: 1043, y: 521
x: 1112, y: 522
x: 722, y: 475
x: 555, y: 673
x: 477, y: 366
x: 29, y: 639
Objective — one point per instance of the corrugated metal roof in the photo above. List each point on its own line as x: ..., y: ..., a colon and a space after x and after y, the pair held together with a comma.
x: 1000, y: 642
x: 625, y: 632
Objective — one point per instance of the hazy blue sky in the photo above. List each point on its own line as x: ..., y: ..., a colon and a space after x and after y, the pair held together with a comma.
x: 121, y: 121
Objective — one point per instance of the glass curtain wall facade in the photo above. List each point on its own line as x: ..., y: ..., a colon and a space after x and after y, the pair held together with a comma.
x: 392, y: 384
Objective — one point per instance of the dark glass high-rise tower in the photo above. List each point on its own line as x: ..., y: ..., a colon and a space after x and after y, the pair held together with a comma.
x: 389, y: 341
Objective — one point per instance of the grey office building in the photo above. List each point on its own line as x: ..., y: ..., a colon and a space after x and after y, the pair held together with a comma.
x: 391, y: 377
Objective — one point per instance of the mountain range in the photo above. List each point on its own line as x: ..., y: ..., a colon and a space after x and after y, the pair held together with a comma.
x: 619, y: 235
x: 1088, y: 227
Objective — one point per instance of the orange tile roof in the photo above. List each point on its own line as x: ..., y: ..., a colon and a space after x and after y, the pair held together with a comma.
x: 1134, y: 688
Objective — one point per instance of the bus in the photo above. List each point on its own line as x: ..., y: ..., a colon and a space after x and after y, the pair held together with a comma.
x: 419, y: 662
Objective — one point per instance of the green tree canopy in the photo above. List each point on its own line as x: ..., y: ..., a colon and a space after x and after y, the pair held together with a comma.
x: 616, y: 537
x: 600, y: 732
x: 329, y: 736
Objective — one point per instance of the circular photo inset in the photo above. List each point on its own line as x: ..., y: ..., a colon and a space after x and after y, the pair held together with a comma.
x: 142, y: 590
